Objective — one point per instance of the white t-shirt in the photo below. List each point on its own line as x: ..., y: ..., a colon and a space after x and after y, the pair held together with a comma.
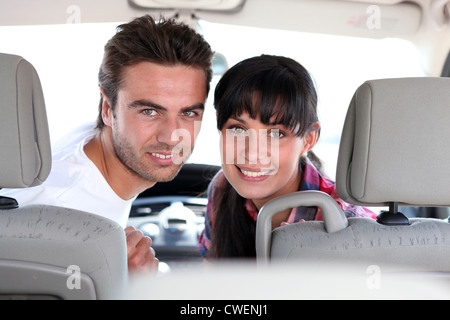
x: 75, y: 182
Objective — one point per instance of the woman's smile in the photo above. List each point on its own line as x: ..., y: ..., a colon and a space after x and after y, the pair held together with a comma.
x: 254, y: 174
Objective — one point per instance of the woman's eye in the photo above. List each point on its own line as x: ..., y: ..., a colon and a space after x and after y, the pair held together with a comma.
x: 238, y: 130
x: 276, y: 134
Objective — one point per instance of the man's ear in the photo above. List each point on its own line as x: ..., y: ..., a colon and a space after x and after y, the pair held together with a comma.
x: 311, y: 137
x: 107, y: 112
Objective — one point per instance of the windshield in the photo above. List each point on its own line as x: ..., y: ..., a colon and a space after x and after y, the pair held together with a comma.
x: 67, y: 58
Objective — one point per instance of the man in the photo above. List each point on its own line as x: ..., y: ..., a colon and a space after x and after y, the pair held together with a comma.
x: 154, y: 80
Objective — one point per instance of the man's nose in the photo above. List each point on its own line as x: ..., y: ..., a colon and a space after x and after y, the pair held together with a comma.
x: 166, y: 131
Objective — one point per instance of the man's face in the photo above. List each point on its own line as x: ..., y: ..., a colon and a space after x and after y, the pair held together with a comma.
x: 157, y: 118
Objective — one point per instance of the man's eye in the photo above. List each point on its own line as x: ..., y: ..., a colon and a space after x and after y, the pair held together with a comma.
x: 189, y: 113
x: 149, y: 112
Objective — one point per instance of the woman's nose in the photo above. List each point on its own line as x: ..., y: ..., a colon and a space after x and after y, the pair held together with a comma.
x: 258, y: 147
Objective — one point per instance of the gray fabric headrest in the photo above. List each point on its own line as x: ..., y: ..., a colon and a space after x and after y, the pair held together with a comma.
x: 24, y: 135
x: 395, y: 145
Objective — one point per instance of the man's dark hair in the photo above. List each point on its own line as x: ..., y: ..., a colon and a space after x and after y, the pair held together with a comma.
x: 165, y: 42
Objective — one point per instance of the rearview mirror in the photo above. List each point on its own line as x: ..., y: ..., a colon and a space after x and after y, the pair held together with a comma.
x: 209, y: 5
x: 219, y: 64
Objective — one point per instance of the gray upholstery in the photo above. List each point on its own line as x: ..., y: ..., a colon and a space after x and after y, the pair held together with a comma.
x: 394, y: 149
x: 46, y: 251
x: 422, y: 246
x: 334, y: 217
x: 395, y: 145
x: 24, y: 143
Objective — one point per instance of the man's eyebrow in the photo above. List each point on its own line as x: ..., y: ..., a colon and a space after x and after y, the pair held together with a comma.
x: 149, y: 104
x: 145, y: 103
x: 197, y: 106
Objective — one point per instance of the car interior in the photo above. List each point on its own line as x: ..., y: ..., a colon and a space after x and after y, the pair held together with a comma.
x: 374, y: 173
x: 381, y: 68
x: 40, y: 242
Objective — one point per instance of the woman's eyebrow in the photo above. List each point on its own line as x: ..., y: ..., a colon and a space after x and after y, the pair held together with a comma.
x: 279, y: 126
x: 238, y: 119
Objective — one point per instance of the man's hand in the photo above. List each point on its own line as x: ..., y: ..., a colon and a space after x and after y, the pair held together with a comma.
x: 141, y: 256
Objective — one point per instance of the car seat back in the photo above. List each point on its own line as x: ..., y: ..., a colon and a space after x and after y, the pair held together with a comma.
x: 46, y: 251
x: 394, y: 150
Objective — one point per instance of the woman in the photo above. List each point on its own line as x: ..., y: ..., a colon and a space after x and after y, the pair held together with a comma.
x: 267, y: 116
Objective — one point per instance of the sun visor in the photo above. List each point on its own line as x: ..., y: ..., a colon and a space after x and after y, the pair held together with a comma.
x: 327, y: 16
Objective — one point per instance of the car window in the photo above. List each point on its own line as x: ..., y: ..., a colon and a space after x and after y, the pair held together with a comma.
x: 337, y: 64
x: 67, y: 58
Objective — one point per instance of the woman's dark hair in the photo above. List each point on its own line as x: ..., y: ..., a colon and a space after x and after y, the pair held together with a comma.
x: 268, y: 87
x: 165, y: 42
x: 276, y: 90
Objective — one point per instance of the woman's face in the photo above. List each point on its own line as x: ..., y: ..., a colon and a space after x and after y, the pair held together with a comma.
x: 262, y: 161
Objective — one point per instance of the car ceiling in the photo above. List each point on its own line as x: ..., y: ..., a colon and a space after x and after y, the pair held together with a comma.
x: 423, y: 22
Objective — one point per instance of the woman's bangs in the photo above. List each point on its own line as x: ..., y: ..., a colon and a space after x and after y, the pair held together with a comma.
x: 274, y: 92
x: 276, y: 105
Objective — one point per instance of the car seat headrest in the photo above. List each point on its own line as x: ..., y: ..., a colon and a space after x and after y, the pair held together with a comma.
x: 395, y: 145
x: 24, y: 135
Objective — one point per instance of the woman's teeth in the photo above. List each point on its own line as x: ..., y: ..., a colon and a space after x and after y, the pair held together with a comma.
x: 255, y: 174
